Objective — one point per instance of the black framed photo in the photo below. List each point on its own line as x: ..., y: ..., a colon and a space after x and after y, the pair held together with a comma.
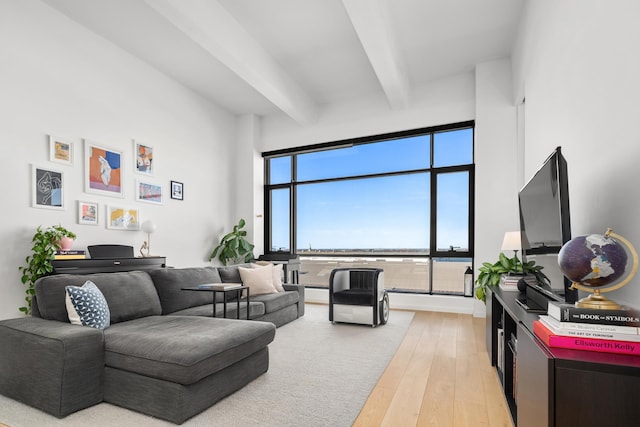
x: 177, y: 190
x: 47, y: 188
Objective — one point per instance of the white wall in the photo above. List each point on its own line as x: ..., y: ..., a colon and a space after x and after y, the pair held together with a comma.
x: 58, y: 78
x: 250, y: 176
x: 446, y: 101
x: 497, y: 170
x: 577, y: 65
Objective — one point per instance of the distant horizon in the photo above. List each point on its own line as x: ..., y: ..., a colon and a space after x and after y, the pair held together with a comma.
x: 369, y: 250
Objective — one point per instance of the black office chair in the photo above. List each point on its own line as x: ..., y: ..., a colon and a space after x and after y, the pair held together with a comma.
x: 110, y: 251
x: 357, y: 295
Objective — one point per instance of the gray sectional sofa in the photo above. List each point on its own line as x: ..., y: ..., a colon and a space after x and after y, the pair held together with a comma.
x: 163, y: 355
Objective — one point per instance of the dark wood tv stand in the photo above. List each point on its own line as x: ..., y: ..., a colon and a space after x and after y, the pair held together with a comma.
x: 557, y: 387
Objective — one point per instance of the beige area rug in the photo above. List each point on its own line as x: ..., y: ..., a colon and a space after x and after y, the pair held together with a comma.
x: 320, y: 374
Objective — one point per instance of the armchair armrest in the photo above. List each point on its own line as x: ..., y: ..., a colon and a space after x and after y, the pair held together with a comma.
x: 300, y: 289
x: 50, y: 365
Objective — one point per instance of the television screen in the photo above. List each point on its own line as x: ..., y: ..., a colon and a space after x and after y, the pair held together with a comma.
x: 545, y: 223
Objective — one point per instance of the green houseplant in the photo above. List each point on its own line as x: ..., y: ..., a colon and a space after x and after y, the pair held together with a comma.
x: 490, y: 273
x: 234, y: 248
x: 46, y: 241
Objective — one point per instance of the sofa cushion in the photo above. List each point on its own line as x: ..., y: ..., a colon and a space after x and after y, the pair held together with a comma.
x: 86, y: 306
x: 230, y: 274
x: 256, y: 309
x: 183, y: 349
x: 276, y: 301
x: 276, y: 270
x: 170, y: 281
x: 130, y: 295
x: 260, y: 280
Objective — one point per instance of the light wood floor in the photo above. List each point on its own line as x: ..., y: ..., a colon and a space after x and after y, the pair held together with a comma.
x: 440, y: 376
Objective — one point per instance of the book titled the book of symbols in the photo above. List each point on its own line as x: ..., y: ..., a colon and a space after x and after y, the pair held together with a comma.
x: 220, y: 286
x: 563, y: 312
x: 582, y: 343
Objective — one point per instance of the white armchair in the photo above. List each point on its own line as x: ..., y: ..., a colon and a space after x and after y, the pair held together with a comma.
x: 357, y: 295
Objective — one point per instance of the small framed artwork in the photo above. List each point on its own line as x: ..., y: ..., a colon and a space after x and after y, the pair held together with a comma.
x: 87, y: 213
x: 60, y: 150
x: 103, y: 171
x: 47, y: 188
x: 123, y: 218
x: 177, y: 190
x: 144, y: 158
x: 148, y: 192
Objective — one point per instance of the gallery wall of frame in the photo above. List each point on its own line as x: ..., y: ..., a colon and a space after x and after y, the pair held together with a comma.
x: 103, y: 175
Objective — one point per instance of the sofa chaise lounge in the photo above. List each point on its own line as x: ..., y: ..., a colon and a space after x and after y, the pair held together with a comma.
x: 163, y: 354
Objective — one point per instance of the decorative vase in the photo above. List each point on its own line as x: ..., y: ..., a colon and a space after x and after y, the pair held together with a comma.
x: 65, y: 243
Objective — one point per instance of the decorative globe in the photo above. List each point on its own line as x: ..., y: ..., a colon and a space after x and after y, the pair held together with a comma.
x: 594, y: 261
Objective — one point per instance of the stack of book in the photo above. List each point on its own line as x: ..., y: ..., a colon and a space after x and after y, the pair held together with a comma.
x: 220, y: 286
x: 603, y: 330
x: 69, y: 254
x: 509, y: 282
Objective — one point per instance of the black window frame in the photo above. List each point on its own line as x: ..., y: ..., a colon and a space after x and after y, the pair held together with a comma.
x: 434, y: 172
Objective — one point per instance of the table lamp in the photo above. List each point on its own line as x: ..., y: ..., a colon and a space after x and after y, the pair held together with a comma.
x: 512, y: 242
x: 148, y: 227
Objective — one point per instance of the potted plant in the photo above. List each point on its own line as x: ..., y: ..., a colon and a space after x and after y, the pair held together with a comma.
x: 45, y: 244
x: 490, y: 274
x: 234, y: 248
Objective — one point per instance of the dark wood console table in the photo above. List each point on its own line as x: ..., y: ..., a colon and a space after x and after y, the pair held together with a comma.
x: 553, y: 386
x: 106, y: 265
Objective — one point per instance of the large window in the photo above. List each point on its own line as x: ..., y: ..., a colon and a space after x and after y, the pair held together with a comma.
x: 402, y: 202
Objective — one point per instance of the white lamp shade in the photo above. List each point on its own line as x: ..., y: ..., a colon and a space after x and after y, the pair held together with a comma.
x: 511, y: 242
x: 148, y: 227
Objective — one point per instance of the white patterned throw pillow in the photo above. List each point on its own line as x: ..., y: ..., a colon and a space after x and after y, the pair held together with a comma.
x: 87, y: 306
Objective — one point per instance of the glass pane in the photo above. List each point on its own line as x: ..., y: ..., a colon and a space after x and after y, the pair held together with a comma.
x: 448, y: 274
x: 280, y: 170
x: 379, y: 157
x: 399, y: 273
x: 452, y: 231
x: 378, y: 215
x: 280, y: 215
x: 453, y: 148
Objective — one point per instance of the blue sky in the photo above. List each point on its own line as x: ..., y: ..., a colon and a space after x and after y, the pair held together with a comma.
x: 390, y: 212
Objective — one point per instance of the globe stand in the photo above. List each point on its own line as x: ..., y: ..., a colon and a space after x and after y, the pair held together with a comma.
x: 597, y: 300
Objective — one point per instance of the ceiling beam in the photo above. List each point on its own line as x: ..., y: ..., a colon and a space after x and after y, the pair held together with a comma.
x: 216, y: 30
x: 371, y: 23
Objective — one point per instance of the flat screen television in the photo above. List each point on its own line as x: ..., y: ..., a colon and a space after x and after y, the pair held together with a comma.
x: 545, y: 223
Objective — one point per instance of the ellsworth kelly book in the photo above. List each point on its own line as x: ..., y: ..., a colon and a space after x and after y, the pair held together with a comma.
x: 582, y: 343
x: 571, y: 313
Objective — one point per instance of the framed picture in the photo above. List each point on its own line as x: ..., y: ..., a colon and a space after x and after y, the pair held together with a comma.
x: 177, y: 190
x: 144, y: 158
x: 60, y: 150
x: 103, y: 171
x: 87, y: 213
x: 47, y: 188
x: 123, y: 218
x: 148, y: 192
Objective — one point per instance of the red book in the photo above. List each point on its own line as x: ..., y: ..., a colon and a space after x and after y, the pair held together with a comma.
x: 581, y: 343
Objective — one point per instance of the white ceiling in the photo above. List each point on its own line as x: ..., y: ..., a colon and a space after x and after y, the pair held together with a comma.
x: 298, y: 56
